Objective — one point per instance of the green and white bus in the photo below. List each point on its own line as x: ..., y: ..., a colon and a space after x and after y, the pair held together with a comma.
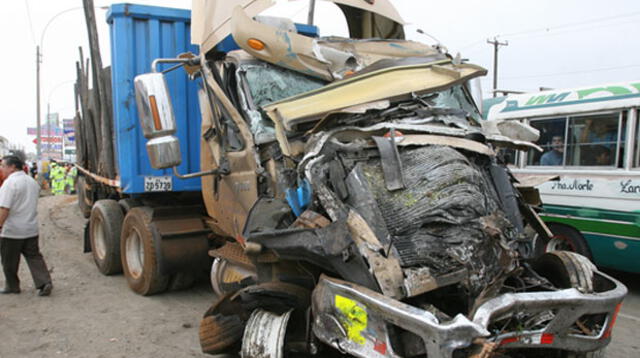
x: 590, y: 139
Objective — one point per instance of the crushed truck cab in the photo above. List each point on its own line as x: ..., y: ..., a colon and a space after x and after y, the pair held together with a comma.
x: 358, y: 203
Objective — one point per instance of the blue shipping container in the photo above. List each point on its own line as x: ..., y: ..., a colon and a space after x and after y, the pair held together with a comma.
x: 139, y: 35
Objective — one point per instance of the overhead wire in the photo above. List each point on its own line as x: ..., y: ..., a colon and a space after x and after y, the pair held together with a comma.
x: 571, y: 24
x: 549, y: 29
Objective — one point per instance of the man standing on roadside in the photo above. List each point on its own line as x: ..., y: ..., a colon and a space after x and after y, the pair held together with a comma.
x: 19, y: 222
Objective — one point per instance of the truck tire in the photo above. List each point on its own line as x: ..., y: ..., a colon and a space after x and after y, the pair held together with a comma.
x: 138, y: 247
x: 219, y: 332
x: 105, y: 224
x: 82, y: 204
x: 566, y: 238
x: 222, y: 326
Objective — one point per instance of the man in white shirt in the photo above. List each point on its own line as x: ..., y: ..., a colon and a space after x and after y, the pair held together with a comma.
x: 19, y: 222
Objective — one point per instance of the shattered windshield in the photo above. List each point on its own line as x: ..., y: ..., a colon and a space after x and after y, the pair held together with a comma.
x: 266, y: 84
x: 456, y: 97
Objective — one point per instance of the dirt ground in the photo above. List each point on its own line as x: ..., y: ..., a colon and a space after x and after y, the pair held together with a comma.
x: 91, y: 315
x: 88, y: 314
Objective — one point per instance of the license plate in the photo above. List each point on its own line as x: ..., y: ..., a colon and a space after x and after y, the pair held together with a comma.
x: 157, y: 183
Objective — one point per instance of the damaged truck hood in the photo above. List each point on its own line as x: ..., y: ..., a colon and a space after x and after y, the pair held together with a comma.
x: 384, y: 84
x: 211, y: 19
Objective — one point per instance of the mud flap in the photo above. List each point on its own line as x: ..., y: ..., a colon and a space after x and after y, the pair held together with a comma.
x: 87, y: 239
x: 182, y: 243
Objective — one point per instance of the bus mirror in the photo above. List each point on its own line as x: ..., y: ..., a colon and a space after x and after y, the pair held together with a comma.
x: 157, y: 120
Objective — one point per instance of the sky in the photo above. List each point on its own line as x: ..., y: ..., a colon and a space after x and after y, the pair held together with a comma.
x: 551, y: 44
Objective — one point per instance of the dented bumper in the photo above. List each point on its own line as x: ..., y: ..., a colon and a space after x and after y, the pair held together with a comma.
x: 356, y: 320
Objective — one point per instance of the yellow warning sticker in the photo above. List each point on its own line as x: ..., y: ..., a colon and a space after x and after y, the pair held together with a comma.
x: 354, y: 318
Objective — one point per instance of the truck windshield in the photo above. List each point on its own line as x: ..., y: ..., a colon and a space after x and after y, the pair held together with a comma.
x: 456, y: 97
x: 268, y: 83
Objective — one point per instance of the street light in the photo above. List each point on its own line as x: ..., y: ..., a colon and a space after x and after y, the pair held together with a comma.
x: 39, y: 48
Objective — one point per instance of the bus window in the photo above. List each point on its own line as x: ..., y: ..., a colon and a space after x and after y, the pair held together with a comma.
x: 636, y: 149
x: 593, y: 140
x: 552, y: 133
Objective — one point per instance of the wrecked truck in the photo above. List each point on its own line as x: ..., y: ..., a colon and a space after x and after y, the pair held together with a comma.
x: 357, y: 202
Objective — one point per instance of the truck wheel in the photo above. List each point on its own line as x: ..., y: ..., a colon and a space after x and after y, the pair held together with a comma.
x: 105, y: 225
x: 138, y: 248
x: 264, y: 334
x: 566, y: 270
x: 222, y: 326
x: 219, y: 332
x: 82, y: 204
x: 227, y: 276
x: 569, y: 270
x: 566, y: 239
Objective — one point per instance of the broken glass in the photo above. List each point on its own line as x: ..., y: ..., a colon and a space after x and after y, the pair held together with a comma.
x: 268, y: 84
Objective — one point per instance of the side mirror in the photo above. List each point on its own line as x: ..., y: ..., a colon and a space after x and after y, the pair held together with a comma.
x: 157, y: 120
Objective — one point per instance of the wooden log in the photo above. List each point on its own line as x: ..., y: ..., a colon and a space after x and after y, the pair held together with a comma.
x: 106, y: 149
x: 77, y: 122
x: 89, y: 131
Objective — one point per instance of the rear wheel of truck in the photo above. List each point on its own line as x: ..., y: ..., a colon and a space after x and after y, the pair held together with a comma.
x: 138, y: 247
x: 105, y: 225
x: 82, y: 204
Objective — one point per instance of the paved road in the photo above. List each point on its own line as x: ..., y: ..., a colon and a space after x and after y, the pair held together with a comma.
x: 626, y: 334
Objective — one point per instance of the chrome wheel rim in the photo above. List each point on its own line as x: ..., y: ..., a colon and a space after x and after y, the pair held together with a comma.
x: 99, y: 242
x: 134, y: 252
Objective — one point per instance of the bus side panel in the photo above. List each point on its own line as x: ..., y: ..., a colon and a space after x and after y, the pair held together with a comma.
x: 613, y: 243
x: 614, y: 252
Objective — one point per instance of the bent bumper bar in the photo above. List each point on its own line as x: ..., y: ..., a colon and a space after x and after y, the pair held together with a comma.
x: 354, y: 319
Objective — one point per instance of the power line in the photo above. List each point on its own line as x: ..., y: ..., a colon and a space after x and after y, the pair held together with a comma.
x: 562, y: 26
x: 571, y: 24
x: 571, y: 72
x: 33, y: 36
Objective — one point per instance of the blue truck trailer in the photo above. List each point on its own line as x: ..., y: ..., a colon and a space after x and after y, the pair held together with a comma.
x: 156, y: 211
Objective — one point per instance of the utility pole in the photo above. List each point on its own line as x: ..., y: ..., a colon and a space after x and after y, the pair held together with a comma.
x: 496, y: 44
x: 312, y: 7
x: 39, y: 139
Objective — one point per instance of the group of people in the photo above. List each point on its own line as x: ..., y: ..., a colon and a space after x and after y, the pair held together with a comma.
x: 62, y: 178
x: 598, y: 146
x: 19, y: 233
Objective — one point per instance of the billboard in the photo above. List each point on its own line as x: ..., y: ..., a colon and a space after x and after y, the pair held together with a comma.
x: 45, y: 131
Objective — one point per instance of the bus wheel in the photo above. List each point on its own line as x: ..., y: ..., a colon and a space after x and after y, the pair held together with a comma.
x: 138, y: 248
x: 566, y: 239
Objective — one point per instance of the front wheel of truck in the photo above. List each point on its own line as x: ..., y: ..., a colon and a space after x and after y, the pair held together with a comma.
x: 567, y: 269
x: 138, y: 248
